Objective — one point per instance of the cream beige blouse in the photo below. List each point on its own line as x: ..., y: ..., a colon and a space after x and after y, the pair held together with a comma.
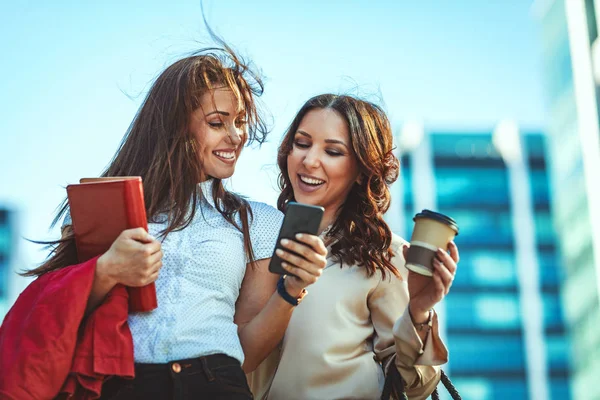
x: 344, y: 328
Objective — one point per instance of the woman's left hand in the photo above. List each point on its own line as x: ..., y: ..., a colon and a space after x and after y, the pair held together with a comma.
x: 306, y: 268
x: 425, y: 291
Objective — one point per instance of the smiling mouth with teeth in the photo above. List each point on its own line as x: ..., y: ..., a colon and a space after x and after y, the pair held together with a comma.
x: 229, y: 155
x: 311, y: 181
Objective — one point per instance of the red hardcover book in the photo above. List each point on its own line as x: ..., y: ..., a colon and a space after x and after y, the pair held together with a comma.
x: 102, y: 208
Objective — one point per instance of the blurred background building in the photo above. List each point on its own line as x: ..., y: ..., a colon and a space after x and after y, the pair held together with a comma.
x: 505, y: 322
x: 7, y: 246
x: 571, y: 57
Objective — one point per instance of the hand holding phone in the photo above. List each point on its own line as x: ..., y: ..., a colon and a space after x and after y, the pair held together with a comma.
x: 299, y: 218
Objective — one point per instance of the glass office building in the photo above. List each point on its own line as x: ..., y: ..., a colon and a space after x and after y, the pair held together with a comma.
x: 501, y: 345
x: 6, y: 246
x: 571, y: 61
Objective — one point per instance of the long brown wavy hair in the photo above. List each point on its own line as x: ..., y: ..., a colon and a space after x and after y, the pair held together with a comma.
x: 363, y: 237
x: 159, y: 147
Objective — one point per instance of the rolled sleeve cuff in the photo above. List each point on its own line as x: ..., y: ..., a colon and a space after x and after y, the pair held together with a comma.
x: 409, y: 346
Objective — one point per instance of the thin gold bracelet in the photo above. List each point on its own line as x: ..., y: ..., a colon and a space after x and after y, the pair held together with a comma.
x: 420, y: 326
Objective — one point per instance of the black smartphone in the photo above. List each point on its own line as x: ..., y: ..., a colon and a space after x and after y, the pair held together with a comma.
x: 299, y: 218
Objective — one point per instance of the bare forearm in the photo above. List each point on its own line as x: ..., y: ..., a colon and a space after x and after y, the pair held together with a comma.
x: 100, y: 287
x: 261, y: 335
x: 262, y: 313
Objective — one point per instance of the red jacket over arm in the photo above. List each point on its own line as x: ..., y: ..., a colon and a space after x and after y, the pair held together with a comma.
x: 47, y: 347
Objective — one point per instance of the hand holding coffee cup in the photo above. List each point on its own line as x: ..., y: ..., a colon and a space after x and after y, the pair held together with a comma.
x: 426, y: 291
x: 431, y: 267
x: 432, y: 231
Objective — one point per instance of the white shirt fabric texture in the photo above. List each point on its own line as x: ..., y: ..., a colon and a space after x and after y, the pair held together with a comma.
x: 199, y: 283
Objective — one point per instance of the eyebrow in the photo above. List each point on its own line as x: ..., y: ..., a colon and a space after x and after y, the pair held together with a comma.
x: 218, y: 112
x: 225, y: 113
x: 332, y: 141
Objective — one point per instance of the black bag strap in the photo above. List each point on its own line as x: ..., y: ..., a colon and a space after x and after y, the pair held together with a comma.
x: 394, y: 386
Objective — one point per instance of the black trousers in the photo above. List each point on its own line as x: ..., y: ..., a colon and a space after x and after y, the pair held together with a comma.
x: 217, y: 377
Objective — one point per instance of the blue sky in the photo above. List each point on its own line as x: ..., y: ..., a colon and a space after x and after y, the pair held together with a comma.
x: 74, y: 73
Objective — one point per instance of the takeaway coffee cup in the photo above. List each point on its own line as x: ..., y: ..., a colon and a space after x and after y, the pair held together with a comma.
x: 432, y: 231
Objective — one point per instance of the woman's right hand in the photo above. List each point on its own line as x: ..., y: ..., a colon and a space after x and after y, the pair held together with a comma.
x: 134, y: 259
x: 306, y: 268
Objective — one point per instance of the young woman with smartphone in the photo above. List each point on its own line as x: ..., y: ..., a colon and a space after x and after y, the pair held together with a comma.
x: 208, y: 249
x: 366, y: 310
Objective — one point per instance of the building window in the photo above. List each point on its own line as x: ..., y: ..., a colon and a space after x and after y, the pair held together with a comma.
x: 553, y: 315
x: 590, y: 13
x: 493, y: 268
x: 544, y: 229
x: 483, y: 312
x: 479, y: 388
x: 482, y: 227
x: 540, y: 192
x: 558, y: 352
x: 471, y: 187
x: 550, y: 272
x: 476, y: 351
x: 5, y: 239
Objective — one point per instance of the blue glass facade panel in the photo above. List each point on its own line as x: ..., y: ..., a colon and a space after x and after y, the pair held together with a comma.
x: 409, y: 223
x: 482, y: 388
x: 557, y: 353
x: 462, y: 187
x: 482, y: 227
x: 497, y: 311
x: 550, y: 271
x: 478, y: 354
x: 545, y: 234
x: 535, y: 145
x: 509, y: 389
x: 553, y: 315
x: 3, y: 278
x: 5, y: 248
x: 486, y: 268
x: 540, y: 192
x: 464, y: 146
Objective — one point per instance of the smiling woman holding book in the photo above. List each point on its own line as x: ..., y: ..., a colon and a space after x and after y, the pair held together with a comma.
x: 207, y: 249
